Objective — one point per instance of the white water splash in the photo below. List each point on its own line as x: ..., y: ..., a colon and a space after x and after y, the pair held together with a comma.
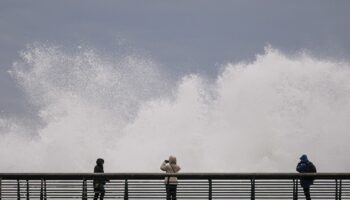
x: 258, y: 116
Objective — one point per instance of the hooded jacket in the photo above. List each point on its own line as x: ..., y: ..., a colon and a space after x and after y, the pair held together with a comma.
x: 170, y: 167
x: 99, y: 169
x: 304, y: 166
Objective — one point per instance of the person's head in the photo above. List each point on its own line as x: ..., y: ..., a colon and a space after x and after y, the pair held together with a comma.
x: 100, y: 161
x: 304, y: 158
x: 172, y: 160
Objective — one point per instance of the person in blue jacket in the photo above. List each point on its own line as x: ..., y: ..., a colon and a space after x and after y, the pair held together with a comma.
x: 305, y: 166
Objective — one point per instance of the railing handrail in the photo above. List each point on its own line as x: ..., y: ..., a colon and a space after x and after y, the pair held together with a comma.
x: 193, y: 176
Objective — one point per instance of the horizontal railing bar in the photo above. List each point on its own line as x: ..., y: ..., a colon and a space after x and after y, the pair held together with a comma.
x: 89, y: 176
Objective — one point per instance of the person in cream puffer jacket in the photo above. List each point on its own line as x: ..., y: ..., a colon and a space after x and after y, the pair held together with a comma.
x: 170, y: 166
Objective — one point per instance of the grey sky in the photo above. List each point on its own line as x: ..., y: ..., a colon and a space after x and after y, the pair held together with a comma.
x: 185, y: 36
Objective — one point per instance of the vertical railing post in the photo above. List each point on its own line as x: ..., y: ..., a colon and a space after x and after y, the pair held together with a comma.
x: 252, y: 189
x: 295, y: 189
x: 126, y: 190
x: 0, y: 188
x: 340, y: 188
x: 45, y: 197
x: 42, y: 189
x: 84, y: 194
x: 27, y: 189
x: 336, y: 189
x: 18, y: 190
x: 210, y: 192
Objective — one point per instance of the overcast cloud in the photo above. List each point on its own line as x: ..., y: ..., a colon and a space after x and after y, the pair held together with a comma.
x: 183, y: 36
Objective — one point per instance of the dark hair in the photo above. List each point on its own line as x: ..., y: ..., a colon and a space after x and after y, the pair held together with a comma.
x: 100, y: 161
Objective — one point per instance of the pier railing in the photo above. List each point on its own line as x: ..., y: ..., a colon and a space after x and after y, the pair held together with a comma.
x: 190, y: 186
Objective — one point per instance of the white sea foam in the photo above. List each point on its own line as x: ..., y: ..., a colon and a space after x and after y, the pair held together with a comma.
x: 256, y: 116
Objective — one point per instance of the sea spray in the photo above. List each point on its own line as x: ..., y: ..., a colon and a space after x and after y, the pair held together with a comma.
x: 256, y: 116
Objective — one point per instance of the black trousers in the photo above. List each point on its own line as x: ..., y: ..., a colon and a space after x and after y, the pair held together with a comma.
x: 307, y: 193
x: 170, y: 191
x: 99, y: 190
x: 102, y: 194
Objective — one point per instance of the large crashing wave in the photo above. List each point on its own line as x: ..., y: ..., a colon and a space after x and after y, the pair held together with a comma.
x: 256, y: 116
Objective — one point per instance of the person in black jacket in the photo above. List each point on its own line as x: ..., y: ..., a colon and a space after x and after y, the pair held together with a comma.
x: 99, y: 183
x: 305, y: 166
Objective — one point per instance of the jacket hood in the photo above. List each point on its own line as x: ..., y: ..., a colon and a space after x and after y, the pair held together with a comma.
x: 100, y: 161
x: 304, y: 158
x: 172, y: 160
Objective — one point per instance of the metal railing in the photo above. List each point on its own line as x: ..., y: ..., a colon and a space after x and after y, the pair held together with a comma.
x: 190, y: 186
